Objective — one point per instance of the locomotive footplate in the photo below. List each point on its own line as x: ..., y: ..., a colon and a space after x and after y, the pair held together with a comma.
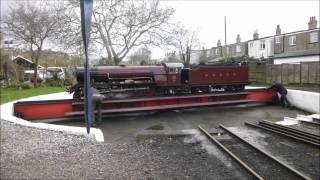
x: 68, y: 109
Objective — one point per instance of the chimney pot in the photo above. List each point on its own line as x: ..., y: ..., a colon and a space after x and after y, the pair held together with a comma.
x: 278, y: 30
x: 256, y: 34
x: 312, y: 24
x: 219, y: 43
x: 238, y: 40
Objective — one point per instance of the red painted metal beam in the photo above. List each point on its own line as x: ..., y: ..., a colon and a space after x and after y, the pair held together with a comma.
x: 60, y: 109
x: 35, y: 110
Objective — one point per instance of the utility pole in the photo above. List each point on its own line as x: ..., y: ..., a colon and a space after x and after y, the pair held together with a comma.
x: 225, y: 37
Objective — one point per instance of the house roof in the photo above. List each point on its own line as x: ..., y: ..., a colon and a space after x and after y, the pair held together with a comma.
x: 297, y: 32
x: 266, y: 37
x: 23, y: 59
x: 289, y: 33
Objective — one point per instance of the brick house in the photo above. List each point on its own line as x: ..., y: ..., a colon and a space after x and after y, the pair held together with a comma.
x: 299, y: 46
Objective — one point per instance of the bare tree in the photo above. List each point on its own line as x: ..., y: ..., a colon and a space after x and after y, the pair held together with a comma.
x: 184, y: 40
x: 120, y: 25
x: 32, y: 25
x: 141, y: 56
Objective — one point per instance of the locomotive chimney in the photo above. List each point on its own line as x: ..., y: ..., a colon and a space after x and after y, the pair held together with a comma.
x: 256, y: 34
x: 312, y: 22
x: 278, y: 30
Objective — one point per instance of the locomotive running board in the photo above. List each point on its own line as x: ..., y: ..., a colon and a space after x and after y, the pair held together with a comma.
x: 62, y: 110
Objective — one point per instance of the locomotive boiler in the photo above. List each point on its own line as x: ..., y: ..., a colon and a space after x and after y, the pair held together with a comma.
x: 165, y: 79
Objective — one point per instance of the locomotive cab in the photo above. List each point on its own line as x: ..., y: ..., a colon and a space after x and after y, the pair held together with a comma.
x: 185, y: 75
x: 173, y: 74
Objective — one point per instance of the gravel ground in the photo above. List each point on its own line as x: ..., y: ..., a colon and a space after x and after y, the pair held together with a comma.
x: 28, y: 153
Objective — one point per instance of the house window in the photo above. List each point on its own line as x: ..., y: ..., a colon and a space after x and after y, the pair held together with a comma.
x: 313, y: 37
x: 277, y: 40
x: 251, y: 44
x: 292, y: 40
x: 262, y: 44
x: 238, y: 48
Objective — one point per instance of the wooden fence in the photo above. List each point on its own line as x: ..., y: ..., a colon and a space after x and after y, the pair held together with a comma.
x: 299, y: 74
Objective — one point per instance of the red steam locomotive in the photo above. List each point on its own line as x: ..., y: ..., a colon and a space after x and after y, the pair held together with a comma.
x: 164, y: 79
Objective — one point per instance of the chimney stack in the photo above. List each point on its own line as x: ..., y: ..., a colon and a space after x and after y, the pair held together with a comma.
x: 256, y: 34
x: 312, y: 22
x: 278, y: 31
x: 219, y: 43
x: 238, y: 38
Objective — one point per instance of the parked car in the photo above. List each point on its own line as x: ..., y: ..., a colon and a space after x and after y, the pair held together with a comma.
x: 56, y: 70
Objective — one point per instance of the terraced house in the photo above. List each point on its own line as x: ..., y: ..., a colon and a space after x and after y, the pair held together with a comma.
x: 236, y: 50
x: 299, y: 46
x: 293, y: 47
x: 260, y: 48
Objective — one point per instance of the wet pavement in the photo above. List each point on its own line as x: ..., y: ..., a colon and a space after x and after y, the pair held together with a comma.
x: 120, y: 130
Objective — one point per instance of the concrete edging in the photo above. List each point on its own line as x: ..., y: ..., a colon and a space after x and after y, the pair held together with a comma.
x: 7, y: 114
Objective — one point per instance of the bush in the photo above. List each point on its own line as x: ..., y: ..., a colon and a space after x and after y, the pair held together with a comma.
x: 54, y: 81
x: 26, y: 85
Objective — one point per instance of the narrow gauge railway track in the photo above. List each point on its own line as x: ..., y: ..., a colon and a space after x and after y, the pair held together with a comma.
x: 288, y: 129
x: 295, y: 134
x: 312, y: 123
x: 254, y: 160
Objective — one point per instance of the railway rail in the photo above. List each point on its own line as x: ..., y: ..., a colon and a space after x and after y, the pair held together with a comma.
x: 257, y: 162
x: 312, y: 123
x: 295, y: 134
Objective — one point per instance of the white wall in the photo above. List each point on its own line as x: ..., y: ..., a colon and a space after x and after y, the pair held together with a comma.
x: 257, y: 52
x: 305, y: 100
x: 295, y: 60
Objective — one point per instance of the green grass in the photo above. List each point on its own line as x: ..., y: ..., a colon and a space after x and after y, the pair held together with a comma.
x: 11, y: 94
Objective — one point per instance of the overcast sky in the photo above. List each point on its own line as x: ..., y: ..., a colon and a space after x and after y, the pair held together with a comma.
x: 243, y: 17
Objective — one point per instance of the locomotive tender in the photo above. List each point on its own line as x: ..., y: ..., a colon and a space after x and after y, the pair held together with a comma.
x: 165, y: 79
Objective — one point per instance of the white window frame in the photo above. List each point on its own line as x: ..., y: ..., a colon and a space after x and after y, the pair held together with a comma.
x: 313, y: 37
x: 251, y: 44
x: 278, y: 40
x: 292, y: 40
x: 238, y: 48
x: 262, y: 44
